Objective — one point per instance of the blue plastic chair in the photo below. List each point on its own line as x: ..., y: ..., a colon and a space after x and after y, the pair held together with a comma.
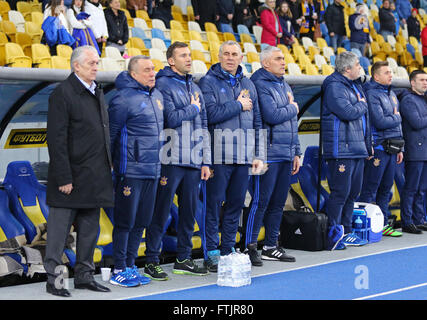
x: 139, y: 33
x: 241, y: 28
x: 157, y: 33
x: 410, y: 48
x: 365, y: 63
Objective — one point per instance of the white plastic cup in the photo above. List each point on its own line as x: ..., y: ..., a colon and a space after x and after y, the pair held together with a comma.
x: 106, y: 273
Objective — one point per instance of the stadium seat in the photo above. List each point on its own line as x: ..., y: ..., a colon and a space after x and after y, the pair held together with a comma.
x: 143, y: 15
x: 249, y: 47
x: 64, y: 51
x: 311, y: 70
x: 228, y: 36
x: 142, y: 24
x: 9, y: 28
x: 114, y: 53
x: 59, y: 62
x: 34, y: 31
x: 4, y: 9
x: 158, y: 64
x: 159, y: 24
x: 255, y: 66
x: 198, y: 66
x: 190, y: 13
x: 157, y: 33
x: 327, y: 69
x: 41, y: 55
x: 306, y: 43
x: 243, y: 29
x: 177, y: 25
x: 15, y: 57
x: 25, y: 41
x: 284, y: 48
x: 294, y: 69
x: 140, y: 33
x: 138, y: 43
x: 319, y: 60
x: 18, y: 19
x: 133, y: 52
x: 402, y: 73
x: 3, y: 41
x: 199, y: 55
x: 195, y: 35
x: 37, y: 18
x: 365, y: 63
x: 158, y: 54
x: 212, y: 37
x: 27, y: 199
x: 194, y: 26
x: 252, y: 56
x: 312, y: 51
x: 159, y: 44
x: 12, y: 233
x: 289, y: 59
x: 257, y: 31
x: 177, y: 35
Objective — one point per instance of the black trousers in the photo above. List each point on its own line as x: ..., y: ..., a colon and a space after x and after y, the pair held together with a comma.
x: 86, y: 222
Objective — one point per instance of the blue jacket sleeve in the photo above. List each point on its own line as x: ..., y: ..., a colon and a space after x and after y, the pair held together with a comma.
x: 377, y: 116
x: 218, y: 112
x: 175, y: 116
x: 117, y: 113
x: 207, y: 160
x: 339, y: 104
x: 270, y: 111
x: 410, y: 111
x: 260, y: 151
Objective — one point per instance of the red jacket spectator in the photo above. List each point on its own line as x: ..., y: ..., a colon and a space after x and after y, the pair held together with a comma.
x: 424, y: 44
x: 270, y: 26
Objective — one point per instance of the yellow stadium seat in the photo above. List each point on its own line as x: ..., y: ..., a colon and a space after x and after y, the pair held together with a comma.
x: 15, y: 56
x: 64, y: 51
x: 414, y: 42
x: 340, y: 50
x: 128, y: 17
x: 289, y: 58
x: 133, y: 52
x: 177, y: 35
x: 244, y: 37
x: 59, y: 62
x: 3, y: 41
x: 179, y: 17
x: 252, y: 56
x: 25, y: 8
x: 37, y: 18
x: 190, y: 13
x: 34, y: 31
x: 419, y: 58
x: 41, y: 55
x: 177, y: 25
x: 211, y: 27
x: 138, y: 43
x: 304, y: 61
x: 212, y: 37
x: 142, y: 14
x: 312, y: 51
x: 284, y: 48
x: 195, y: 35
x: 311, y: 70
x: 229, y: 36
x: 4, y: 9
x: 158, y: 65
x: 321, y: 43
x: 25, y: 41
x: 199, y: 55
x: 9, y: 28
x: 387, y: 48
x: 327, y: 70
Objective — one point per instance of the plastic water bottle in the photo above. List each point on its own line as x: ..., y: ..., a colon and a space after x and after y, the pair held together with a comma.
x: 358, y: 223
x: 234, y: 270
x: 224, y: 271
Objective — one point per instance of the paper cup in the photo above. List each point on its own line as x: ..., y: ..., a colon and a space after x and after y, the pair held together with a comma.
x: 106, y: 273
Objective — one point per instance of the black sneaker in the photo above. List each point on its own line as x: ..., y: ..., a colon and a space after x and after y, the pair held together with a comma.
x: 277, y: 254
x: 422, y: 226
x: 411, y: 228
x: 254, y: 256
x: 189, y: 267
x: 155, y: 272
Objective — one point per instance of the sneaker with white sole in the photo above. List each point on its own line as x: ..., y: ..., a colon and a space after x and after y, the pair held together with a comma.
x: 352, y: 239
x: 277, y: 254
x: 142, y: 279
x: 125, y: 278
x: 189, y: 267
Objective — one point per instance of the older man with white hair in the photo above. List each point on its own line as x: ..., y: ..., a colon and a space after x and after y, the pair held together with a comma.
x: 347, y: 142
x: 79, y: 178
x: 279, y: 117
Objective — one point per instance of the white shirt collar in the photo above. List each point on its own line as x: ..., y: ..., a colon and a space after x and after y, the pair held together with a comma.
x: 90, y: 87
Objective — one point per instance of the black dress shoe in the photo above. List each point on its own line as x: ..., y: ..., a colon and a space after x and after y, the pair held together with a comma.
x: 93, y: 285
x: 50, y: 288
x: 411, y: 228
x: 422, y: 226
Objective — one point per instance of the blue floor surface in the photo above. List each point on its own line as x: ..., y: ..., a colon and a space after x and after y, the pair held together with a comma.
x: 360, y: 277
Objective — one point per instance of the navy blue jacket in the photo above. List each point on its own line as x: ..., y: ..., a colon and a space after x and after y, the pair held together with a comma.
x: 183, y: 117
x: 228, y: 120
x: 345, y: 130
x: 413, y: 108
x: 382, y: 101
x: 136, y: 123
x: 279, y: 117
x: 356, y: 28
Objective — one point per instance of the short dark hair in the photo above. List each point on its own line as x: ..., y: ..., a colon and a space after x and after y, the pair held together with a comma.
x: 377, y: 66
x: 414, y: 74
x: 173, y: 46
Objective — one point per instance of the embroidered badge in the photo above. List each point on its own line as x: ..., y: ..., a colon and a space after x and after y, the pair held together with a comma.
x: 126, y: 191
x: 159, y: 104
x: 163, y: 181
x: 341, y: 168
x: 377, y: 162
x: 394, y: 100
x: 212, y: 173
x: 246, y: 93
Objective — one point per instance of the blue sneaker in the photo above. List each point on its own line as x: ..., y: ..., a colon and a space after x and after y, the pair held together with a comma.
x: 340, y: 246
x: 335, y: 235
x: 125, y: 278
x: 142, y: 279
x: 352, y: 239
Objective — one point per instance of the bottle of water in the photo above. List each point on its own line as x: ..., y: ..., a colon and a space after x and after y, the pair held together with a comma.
x: 234, y: 270
x: 224, y: 271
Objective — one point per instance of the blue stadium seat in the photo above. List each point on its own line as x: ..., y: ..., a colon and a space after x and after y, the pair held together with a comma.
x: 157, y: 33
x: 11, y: 230
x: 139, y: 33
x: 241, y: 28
x: 365, y: 63
x: 410, y: 49
x: 27, y: 199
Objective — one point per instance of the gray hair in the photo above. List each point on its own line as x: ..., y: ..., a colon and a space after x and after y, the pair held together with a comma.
x: 267, y: 52
x: 133, y: 62
x: 229, y: 43
x: 78, y: 55
x: 345, y: 60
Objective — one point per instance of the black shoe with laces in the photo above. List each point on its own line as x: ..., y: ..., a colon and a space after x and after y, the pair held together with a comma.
x: 155, y: 272
x: 189, y: 267
x: 422, y: 226
x: 276, y: 254
x: 254, y: 256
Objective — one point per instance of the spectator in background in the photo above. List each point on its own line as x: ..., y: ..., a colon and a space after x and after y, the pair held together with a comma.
x: 205, y: 11
x: 396, y: 17
x: 58, y: 10
x: 226, y: 14
x: 80, y: 25
x: 271, y: 28
x: 359, y: 28
x: 403, y: 8
x: 285, y: 18
x: 414, y: 28
x: 254, y: 6
x: 424, y: 44
x: 387, y: 20
x: 117, y: 25
x: 134, y: 5
x: 309, y: 11
x: 294, y: 7
x: 242, y: 14
x: 99, y: 24
x: 334, y: 19
x: 163, y: 11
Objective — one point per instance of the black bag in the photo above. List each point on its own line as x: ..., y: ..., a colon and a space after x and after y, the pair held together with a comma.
x: 303, y: 230
x: 393, y: 146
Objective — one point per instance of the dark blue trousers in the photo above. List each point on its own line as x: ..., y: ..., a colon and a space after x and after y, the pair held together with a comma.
x: 133, y: 210
x: 413, y: 194
x: 269, y: 197
x: 184, y: 182
x: 229, y: 183
x: 345, y: 182
x: 378, y: 179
